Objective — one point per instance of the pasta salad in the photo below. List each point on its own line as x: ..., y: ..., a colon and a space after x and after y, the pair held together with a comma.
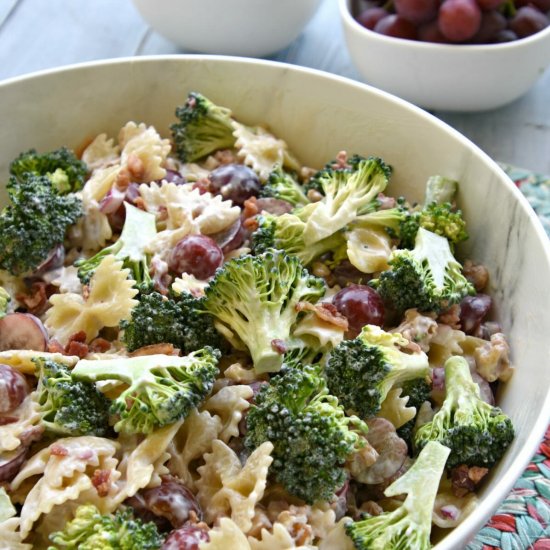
x: 205, y: 344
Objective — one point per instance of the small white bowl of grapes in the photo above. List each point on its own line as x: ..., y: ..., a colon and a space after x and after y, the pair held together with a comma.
x: 453, y: 55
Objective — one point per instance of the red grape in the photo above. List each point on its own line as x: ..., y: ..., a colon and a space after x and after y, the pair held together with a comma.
x: 429, y: 32
x: 417, y: 11
x: 488, y: 5
x: 473, y: 310
x: 369, y: 17
x: 396, y: 26
x: 198, y: 255
x: 527, y: 21
x: 361, y: 305
x: 13, y: 388
x: 234, y: 182
x: 459, y: 20
x: 171, y: 500
x: 505, y: 35
x: 187, y: 538
x: 492, y: 23
x: 22, y: 331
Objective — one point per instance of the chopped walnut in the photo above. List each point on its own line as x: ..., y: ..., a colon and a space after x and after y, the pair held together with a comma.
x: 362, y: 459
x: 260, y: 521
x: 372, y: 508
x: 493, y: 359
x: 418, y: 328
x: 123, y: 179
x: 326, y: 312
x: 36, y: 299
x: 225, y: 156
x: 464, y: 479
x: 314, y: 196
x: 477, y: 274
x: 295, y: 520
x: 451, y: 317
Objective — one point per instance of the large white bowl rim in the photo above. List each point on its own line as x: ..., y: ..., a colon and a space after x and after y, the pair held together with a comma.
x: 62, y: 106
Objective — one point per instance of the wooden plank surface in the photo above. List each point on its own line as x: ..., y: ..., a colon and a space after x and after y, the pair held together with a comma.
x: 38, y: 34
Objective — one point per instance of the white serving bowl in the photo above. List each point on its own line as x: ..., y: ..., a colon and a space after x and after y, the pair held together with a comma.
x: 453, y: 77
x: 232, y: 27
x: 318, y: 115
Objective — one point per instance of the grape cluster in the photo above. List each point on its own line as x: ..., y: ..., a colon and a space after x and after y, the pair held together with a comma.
x: 455, y: 21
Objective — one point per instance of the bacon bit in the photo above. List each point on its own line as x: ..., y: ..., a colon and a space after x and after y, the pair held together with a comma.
x: 36, y: 299
x: 4, y: 420
x: 99, y: 345
x: 77, y: 348
x: 279, y: 346
x: 154, y: 349
x: 123, y: 179
x: 136, y: 167
x: 251, y: 224
x: 326, y: 312
x: 54, y: 346
x: 386, y: 202
x: 464, y: 479
x: 58, y: 450
x: 101, y: 482
x: 79, y: 336
x: 250, y: 208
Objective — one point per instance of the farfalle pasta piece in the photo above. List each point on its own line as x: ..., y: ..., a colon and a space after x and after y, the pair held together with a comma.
x: 145, y: 143
x: 394, y: 408
x: 227, y: 488
x: 225, y: 536
x: 445, y: 343
x: 10, y: 536
x: 22, y: 359
x: 101, y: 152
x: 492, y: 357
x: 276, y: 539
x: 237, y: 373
x: 143, y: 464
x: 369, y: 249
x: 15, y: 434
x: 261, y: 150
x: 188, y: 283
x: 66, y: 469
x: 191, y: 442
x: 337, y: 537
x: 449, y: 509
x: 91, y: 231
x: 109, y: 301
x: 229, y: 404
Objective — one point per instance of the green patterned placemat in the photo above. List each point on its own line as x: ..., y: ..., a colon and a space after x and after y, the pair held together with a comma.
x: 523, y: 520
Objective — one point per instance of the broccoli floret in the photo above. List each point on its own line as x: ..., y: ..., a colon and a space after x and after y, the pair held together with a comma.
x: 311, y: 435
x: 255, y: 297
x: 173, y: 319
x: 428, y: 277
x: 67, y: 406
x: 162, y: 389
x: 35, y: 222
x: 440, y: 190
x: 418, y: 391
x: 91, y: 530
x: 66, y: 171
x: 409, y: 526
x: 5, y: 299
x: 315, y: 182
x: 282, y: 185
x: 286, y: 233
x: 440, y: 219
x: 347, y: 195
x: 477, y: 433
x: 203, y: 128
x: 390, y: 219
x: 139, y: 228
x: 361, y: 372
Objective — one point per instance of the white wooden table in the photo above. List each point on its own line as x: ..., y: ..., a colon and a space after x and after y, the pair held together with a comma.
x: 40, y: 34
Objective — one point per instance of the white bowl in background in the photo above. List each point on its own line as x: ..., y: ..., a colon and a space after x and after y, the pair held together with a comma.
x: 319, y: 114
x: 453, y: 77
x: 232, y: 27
